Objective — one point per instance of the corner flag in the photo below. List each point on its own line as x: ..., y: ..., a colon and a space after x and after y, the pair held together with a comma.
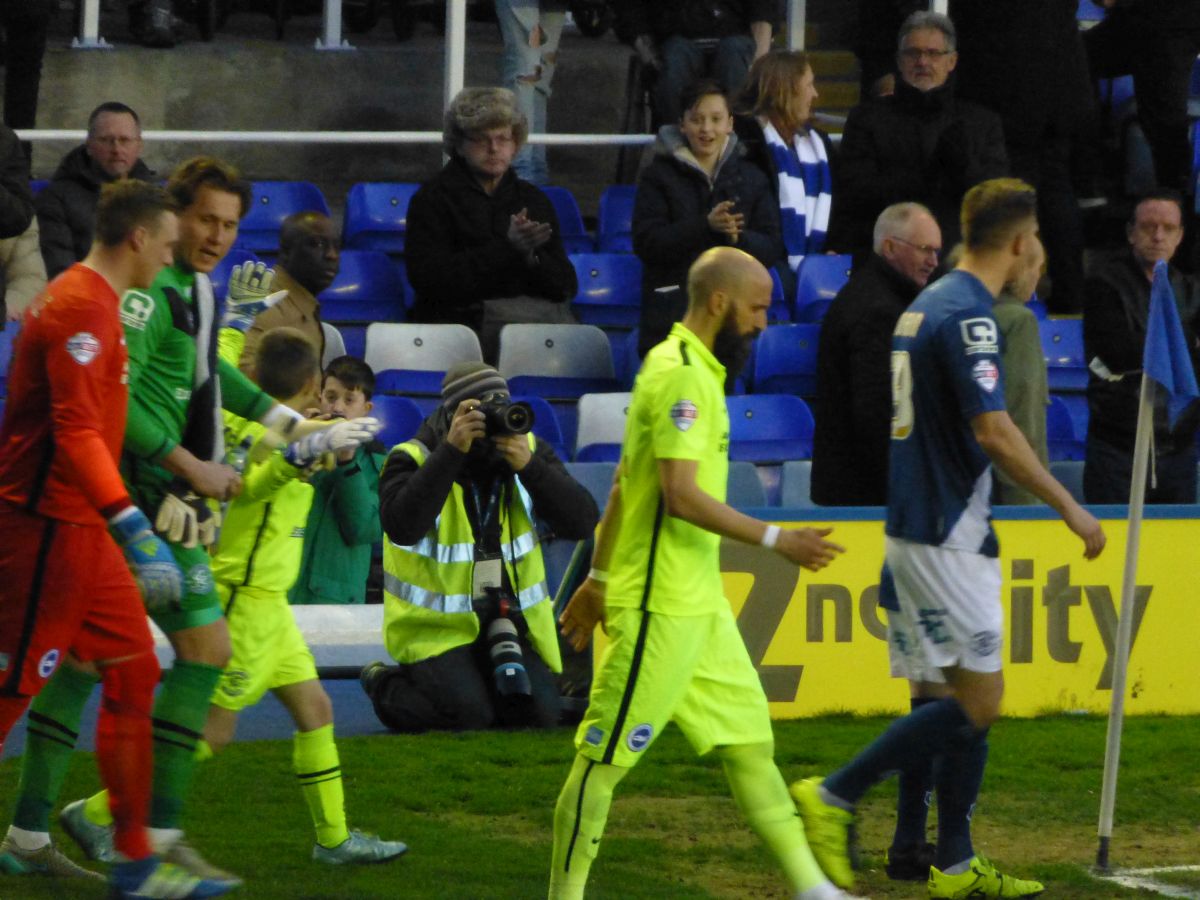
x: 1166, y: 358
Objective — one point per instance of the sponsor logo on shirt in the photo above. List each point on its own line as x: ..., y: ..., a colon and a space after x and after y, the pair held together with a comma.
x: 234, y: 682
x: 684, y: 414
x: 83, y: 347
x: 594, y: 736
x: 298, y: 531
x: 136, y: 309
x: 48, y: 663
x: 985, y: 643
x: 183, y: 394
x: 986, y: 374
x: 979, y: 335
x: 639, y: 737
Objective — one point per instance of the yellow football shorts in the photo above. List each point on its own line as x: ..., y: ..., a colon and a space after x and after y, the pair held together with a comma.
x: 693, y: 670
x: 268, y: 650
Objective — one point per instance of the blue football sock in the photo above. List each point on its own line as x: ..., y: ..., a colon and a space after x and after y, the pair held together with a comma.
x: 922, y: 734
x: 912, y: 804
x: 958, y: 780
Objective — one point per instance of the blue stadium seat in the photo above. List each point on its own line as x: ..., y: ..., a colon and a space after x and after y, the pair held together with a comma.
x: 560, y: 361
x: 219, y: 276
x: 400, y: 416
x: 742, y: 487
x: 1077, y: 408
x: 354, y: 338
x: 1061, y: 440
x: 597, y: 477
x: 545, y: 425
x: 570, y: 221
x: 1062, y: 344
x: 769, y: 428
x: 8, y: 338
x: 781, y: 305
x: 614, y: 227
x: 377, y: 216
x: 820, y: 278
x: 797, y: 484
x: 37, y: 185
x: 601, y: 426
x: 412, y: 358
x: 367, y: 289
x: 1070, y: 473
x: 785, y: 360
x: 610, y: 289
x: 1038, y: 308
x: 271, y: 202
x: 1089, y: 11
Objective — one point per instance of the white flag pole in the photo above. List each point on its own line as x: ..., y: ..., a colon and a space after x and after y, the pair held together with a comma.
x: 1116, y: 714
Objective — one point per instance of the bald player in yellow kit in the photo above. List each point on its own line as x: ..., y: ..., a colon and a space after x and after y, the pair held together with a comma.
x: 675, y: 653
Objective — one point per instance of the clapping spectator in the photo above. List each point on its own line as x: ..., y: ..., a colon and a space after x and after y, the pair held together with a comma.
x: 697, y: 193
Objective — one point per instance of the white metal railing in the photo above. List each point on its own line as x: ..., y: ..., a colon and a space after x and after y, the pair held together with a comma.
x: 332, y: 137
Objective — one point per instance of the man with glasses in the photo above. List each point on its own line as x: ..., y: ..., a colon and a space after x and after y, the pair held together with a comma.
x: 854, y: 385
x: 66, y: 209
x: 1116, y: 305
x: 920, y: 144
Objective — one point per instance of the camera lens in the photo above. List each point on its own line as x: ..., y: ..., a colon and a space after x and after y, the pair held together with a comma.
x: 507, y: 658
x: 518, y: 418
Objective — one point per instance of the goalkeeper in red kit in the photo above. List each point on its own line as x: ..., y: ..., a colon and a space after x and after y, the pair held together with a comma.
x: 77, y: 558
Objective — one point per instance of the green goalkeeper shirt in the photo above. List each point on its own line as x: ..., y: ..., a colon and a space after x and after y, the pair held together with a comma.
x: 161, y: 327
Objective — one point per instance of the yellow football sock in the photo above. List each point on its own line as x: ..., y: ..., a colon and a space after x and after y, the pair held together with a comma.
x: 762, y: 796
x: 579, y: 818
x: 315, y: 761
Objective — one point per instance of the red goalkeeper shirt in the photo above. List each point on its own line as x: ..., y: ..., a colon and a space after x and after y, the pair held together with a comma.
x: 67, y: 395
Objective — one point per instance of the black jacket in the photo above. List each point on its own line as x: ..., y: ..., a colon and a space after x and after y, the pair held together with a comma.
x: 412, y: 496
x: 670, y: 224
x: 66, y: 208
x: 853, y: 410
x: 691, y: 18
x: 457, y: 249
x: 1116, y: 305
x: 928, y: 147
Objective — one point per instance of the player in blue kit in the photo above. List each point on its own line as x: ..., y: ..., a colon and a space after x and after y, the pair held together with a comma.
x: 941, y: 576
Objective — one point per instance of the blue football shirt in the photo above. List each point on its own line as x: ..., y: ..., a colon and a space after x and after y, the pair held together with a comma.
x: 945, y: 372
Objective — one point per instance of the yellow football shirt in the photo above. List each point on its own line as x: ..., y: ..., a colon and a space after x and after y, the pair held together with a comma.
x: 661, y: 563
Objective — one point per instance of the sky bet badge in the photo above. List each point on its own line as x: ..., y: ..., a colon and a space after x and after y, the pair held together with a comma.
x: 684, y: 414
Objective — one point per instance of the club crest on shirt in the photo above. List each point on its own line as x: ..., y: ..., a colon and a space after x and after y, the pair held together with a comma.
x: 639, y: 737
x: 986, y: 374
x: 684, y: 414
x: 83, y: 347
x: 136, y: 309
x: 48, y: 663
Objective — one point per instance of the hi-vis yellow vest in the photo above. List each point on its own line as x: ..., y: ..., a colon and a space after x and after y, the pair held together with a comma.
x: 427, y: 586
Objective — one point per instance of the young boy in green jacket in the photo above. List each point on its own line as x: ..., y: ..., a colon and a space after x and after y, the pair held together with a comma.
x: 343, y: 524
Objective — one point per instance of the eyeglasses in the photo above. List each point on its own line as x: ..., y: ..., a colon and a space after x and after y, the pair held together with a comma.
x: 913, y: 54
x: 121, y: 142
x: 923, y: 249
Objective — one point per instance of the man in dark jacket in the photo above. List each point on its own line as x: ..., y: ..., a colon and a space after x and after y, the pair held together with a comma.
x: 16, y: 200
x: 921, y: 144
x: 66, y: 208
x: 673, y: 36
x: 464, y: 580
x: 1156, y: 41
x: 854, y: 382
x: 476, y: 232
x: 1114, y: 332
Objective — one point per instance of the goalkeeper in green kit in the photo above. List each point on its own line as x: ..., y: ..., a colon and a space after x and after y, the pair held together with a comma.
x: 172, y: 460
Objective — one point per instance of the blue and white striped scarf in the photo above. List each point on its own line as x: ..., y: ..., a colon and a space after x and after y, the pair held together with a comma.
x: 805, y: 192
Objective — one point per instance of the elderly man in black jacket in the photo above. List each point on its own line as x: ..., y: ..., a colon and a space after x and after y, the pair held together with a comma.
x: 673, y: 36
x: 1114, y: 333
x: 66, y: 208
x: 921, y: 143
x: 478, y: 233
x: 854, y: 382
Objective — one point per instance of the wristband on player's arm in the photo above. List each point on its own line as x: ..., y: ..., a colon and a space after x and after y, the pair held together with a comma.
x: 150, y: 559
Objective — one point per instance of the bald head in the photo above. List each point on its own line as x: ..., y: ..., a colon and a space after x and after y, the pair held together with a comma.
x: 728, y: 271
x: 308, y: 250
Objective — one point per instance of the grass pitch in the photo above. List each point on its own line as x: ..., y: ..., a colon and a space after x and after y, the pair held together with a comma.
x: 476, y: 811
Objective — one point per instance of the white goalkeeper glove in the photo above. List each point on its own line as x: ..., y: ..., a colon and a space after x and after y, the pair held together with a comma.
x: 249, y: 294
x: 158, y: 576
x: 185, y: 518
x: 342, y: 434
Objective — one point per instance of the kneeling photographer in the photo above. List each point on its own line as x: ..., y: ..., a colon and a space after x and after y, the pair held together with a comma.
x: 468, y: 615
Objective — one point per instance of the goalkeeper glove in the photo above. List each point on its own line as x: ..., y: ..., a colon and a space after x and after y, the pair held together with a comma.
x: 185, y: 518
x: 249, y: 294
x: 340, y: 435
x: 158, y: 576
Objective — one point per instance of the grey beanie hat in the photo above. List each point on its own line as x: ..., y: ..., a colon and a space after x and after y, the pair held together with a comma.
x: 470, y: 381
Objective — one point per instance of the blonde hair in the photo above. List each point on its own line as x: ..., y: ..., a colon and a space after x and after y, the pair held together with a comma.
x: 772, y: 87
x: 481, y: 109
x: 994, y: 209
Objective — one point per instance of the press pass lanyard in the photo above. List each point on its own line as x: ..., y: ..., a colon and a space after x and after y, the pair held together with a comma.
x: 488, y: 572
x: 484, y: 517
